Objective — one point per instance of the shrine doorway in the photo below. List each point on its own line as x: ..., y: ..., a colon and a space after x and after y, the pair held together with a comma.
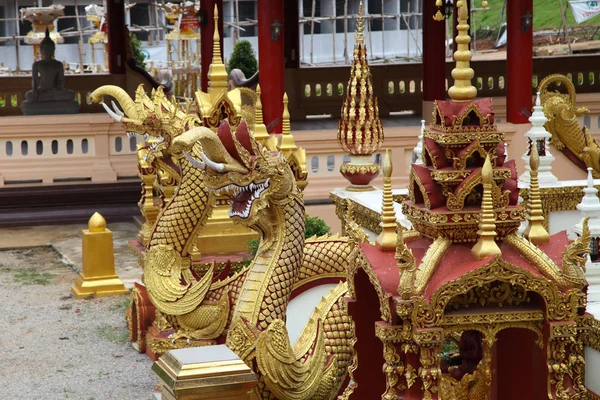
x: 519, y: 364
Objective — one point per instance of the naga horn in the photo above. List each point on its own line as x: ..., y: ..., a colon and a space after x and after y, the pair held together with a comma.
x: 127, y: 104
x: 213, y: 152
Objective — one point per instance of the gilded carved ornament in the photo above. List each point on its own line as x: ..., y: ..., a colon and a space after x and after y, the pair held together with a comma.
x: 560, y: 306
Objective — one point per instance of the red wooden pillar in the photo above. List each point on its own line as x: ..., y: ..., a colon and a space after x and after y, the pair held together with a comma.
x: 291, y: 34
x: 271, y: 61
x: 434, y: 59
x: 206, y: 36
x: 115, y: 11
x: 519, y: 61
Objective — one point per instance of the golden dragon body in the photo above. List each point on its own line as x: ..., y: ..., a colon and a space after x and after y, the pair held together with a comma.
x: 562, y: 113
x: 250, y: 305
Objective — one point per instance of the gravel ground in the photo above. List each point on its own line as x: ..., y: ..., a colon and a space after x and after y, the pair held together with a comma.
x: 54, y: 346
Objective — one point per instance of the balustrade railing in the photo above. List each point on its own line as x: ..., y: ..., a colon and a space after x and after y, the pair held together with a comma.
x: 45, y: 149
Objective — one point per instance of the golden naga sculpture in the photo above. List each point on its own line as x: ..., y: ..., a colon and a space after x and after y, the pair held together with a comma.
x: 265, y: 197
x: 562, y: 113
x: 155, y: 120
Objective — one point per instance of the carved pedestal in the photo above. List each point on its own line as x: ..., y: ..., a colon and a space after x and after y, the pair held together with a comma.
x: 213, y: 372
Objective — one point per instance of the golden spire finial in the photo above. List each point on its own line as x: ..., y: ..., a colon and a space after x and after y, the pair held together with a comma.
x: 386, y: 241
x: 217, y: 74
x: 288, y: 144
x: 358, y: 34
x: 462, y: 90
x: 535, y: 231
x: 260, y: 130
x: 486, y: 245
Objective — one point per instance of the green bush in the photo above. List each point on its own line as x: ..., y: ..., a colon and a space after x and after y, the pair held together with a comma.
x: 315, y: 226
x: 243, y: 58
x: 137, y: 51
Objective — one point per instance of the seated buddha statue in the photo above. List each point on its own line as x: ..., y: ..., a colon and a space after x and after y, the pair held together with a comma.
x: 48, y: 94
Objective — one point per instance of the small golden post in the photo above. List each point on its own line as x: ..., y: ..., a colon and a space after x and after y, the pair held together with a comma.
x: 535, y: 231
x: 260, y: 130
x: 386, y: 241
x: 486, y: 245
x: 288, y: 144
x: 97, y: 276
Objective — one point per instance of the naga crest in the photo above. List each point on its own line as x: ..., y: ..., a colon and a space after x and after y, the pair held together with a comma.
x: 156, y: 119
x: 240, y: 167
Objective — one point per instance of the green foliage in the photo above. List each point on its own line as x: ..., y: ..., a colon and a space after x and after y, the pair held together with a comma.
x: 32, y: 277
x: 243, y: 58
x: 314, y: 226
x: 114, y: 334
x: 546, y: 15
x: 137, y: 51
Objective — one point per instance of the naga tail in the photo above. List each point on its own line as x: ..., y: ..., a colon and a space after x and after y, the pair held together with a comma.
x: 172, y: 286
x: 316, y: 366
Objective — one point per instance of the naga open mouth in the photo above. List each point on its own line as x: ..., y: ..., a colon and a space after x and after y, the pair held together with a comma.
x: 243, y: 197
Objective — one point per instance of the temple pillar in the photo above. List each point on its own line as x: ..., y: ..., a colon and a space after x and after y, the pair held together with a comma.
x: 206, y: 36
x: 291, y: 34
x: 115, y: 12
x: 519, y: 62
x: 271, y: 62
x: 434, y: 59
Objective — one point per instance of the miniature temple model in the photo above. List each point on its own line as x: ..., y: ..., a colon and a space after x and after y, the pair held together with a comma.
x: 48, y: 94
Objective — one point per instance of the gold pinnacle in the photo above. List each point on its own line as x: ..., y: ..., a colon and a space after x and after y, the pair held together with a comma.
x: 97, y: 223
x: 462, y: 90
x: 260, y: 130
x: 486, y: 245
x: 358, y: 34
x: 386, y: 241
x: 288, y: 144
x: 217, y: 74
x: 535, y: 231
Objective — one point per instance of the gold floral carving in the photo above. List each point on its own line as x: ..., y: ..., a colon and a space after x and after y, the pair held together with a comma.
x: 465, y: 135
x: 560, y: 306
x: 496, y: 293
x: 347, y: 168
x: 429, y: 371
x: 460, y: 226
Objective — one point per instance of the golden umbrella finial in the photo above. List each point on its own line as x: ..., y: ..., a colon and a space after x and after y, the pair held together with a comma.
x: 462, y: 90
x: 535, y: 231
x: 386, y: 241
x: 360, y: 26
x: 486, y: 245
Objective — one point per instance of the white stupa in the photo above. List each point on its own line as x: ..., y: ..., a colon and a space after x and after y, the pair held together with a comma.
x: 540, y: 137
x: 590, y: 207
x: 418, y: 150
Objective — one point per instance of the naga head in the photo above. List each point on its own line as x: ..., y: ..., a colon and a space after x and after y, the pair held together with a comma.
x: 575, y: 255
x: 238, y: 166
x: 156, y: 119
